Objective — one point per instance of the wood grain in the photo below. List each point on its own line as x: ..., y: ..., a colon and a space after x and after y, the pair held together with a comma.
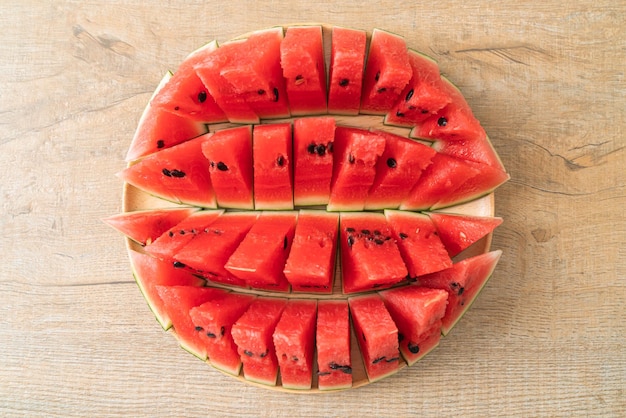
x: 546, y: 336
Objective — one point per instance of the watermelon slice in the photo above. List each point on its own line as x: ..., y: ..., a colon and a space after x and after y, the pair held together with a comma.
x: 260, y: 258
x: 463, y: 281
x: 347, y: 62
x: 419, y: 243
x: 387, y: 72
x: 311, y: 263
x: 213, y: 321
x: 144, y: 226
x: 179, y: 174
x: 229, y: 155
x: 370, y: 258
x: 477, y: 149
x: 458, y: 232
x: 253, y: 333
x: 376, y: 334
x: 273, y: 161
x: 294, y: 340
x: 417, y: 312
x: 332, y: 341
x: 302, y: 60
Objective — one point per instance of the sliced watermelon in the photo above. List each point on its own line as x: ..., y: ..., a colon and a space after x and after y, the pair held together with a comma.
x: 313, y: 159
x: 463, y: 281
x: 294, y: 340
x: 178, y: 301
x: 260, y: 258
x: 370, y: 258
x: 179, y: 174
x: 213, y: 321
x: 387, y: 72
x: 458, y: 232
x: 229, y: 155
x: 209, y: 251
x: 356, y: 152
x: 420, y: 246
x: 302, y: 60
x: 145, y: 226
x: 332, y: 340
x: 477, y: 149
x: 273, y: 160
x: 417, y: 313
x: 253, y: 333
x: 397, y: 170
x: 376, y: 334
x: 310, y: 266
x: 149, y: 273
x: 347, y: 62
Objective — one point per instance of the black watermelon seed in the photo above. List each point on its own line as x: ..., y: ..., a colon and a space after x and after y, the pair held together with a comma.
x: 392, y: 163
x: 378, y: 360
x: 311, y: 148
x: 211, y: 335
x: 320, y: 149
x: 334, y: 366
x: 379, y: 241
x: 264, y: 354
x: 222, y: 167
x: 377, y: 232
x: 346, y: 369
x: 294, y: 358
x: 414, y: 348
x: 177, y: 108
x: 403, y: 235
x: 392, y: 359
x: 299, y: 77
x: 199, y: 328
x: 344, y: 82
x: 171, y: 234
x: 365, y: 231
x: 178, y: 265
x: 261, y: 92
x: 400, y: 337
x: 285, y: 242
x: 212, y: 163
x: 460, y: 292
x: 248, y: 353
x: 409, y: 95
x: 177, y: 173
x: 442, y: 121
x: 330, y: 147
x: 181, y: 232
x: 202, y: 96
x: 424, y: 111
x: 350, y: 241
x: 222, y: 331
x: 166, y: 172
x: 377, y: 76
x: 349, y: 229
x: 399, y: 114
x: 381, y: 90
x: 275, y: 94
x: 280, y: 161
x: 160, y: 143
x: 351, y: 159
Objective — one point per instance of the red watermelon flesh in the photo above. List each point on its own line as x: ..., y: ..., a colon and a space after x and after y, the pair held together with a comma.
x: 376, y: 334
x: 273, y: 160
x: 213, y: 321
x: 208, y: 252
x: 356, y: 152
x: 260, y: 258
x: 458, y: 232
x: 177, y: 236
x: 145, y: 226
x: 310, y: 266
x: 185, y: 95
x: 463, y: 281
x: 150, y: 272
x: 370, y: 258
x: 229, y: 157
x: 397, y: 170
x: 178, y: 301
x: 294, y: 340
x: 302, y: 61
x: 252, y: 333
x: 347, y: 62
x: 387, y: 72
x: 179, y: 174
x: 417, y: 313
x: 313, y: 144
x: 332, y: 340
x: 159, y: 129
x: 423, y: 96
x: 418, y: 241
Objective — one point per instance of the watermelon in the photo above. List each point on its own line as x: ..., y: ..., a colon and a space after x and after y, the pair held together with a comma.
x: 294, y: 340
x: 179, y: 174
x: 370, y: 258
x: 463, y: 281
x: 229, y: 156
x: 356, y: 152
x: 376, y: 334
x: 144, y: 226
x: 477, y: 149
x: 387, y: 72
x: 213, y: 321
x: 310, y: 266
x: 313, y: 144
x: 302, y: 61
x: 253, y: 334
x: 178, y: 301
x: 273, y: 161
x: 150, y: 272
x: 458, y: 232
x: 332, y: 340
x: 417, y: 312
x: 418, y: 241
x: 347, y: 62
x: 260, y: 258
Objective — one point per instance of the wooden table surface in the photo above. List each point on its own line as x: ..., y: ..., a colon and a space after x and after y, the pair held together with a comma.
x: 545, y: 338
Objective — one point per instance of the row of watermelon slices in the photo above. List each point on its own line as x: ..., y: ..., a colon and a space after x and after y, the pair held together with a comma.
x: 267, y: 334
